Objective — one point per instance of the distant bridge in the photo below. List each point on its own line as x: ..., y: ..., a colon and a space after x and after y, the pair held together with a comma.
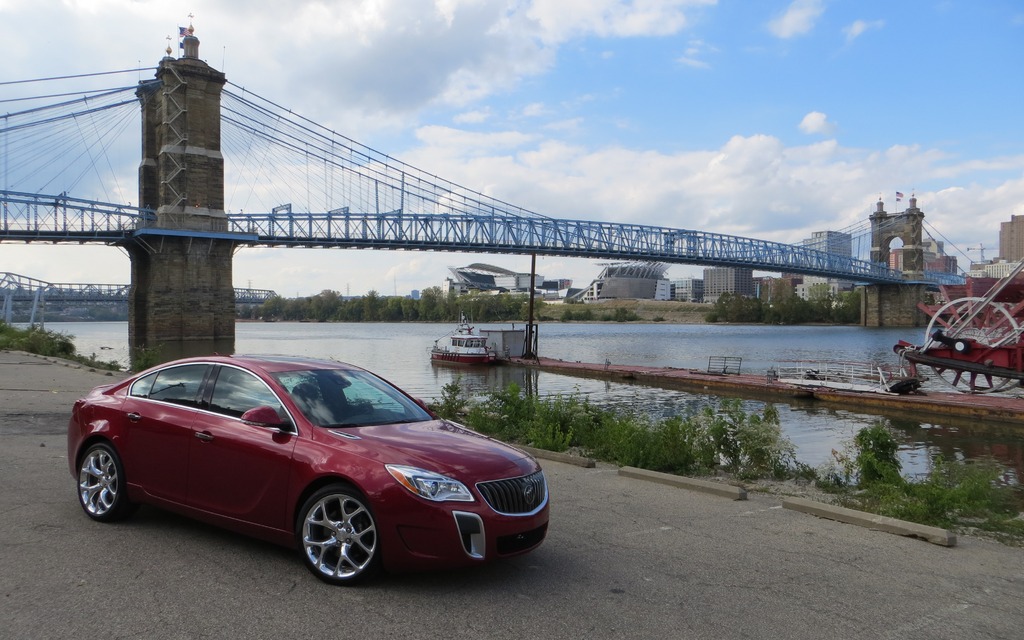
x: 19, y: 288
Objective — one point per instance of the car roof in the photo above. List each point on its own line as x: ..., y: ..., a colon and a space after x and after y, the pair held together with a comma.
x: 267, y: 363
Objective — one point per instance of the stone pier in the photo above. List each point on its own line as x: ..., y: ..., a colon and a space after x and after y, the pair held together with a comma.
x: 182, y: 295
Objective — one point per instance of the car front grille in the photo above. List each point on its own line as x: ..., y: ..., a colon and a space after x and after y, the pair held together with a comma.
x: 515, y: 496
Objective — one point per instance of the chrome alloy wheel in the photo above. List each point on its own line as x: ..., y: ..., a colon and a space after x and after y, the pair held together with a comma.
x: 99, y: 482
x: 339, y: 536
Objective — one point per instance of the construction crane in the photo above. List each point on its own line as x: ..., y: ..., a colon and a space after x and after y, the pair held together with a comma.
x: 980, y: 248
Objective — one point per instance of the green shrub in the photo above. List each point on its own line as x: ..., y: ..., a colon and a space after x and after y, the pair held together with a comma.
x: 749, y: 445
x: 877, y: 459
x: 453, y: 401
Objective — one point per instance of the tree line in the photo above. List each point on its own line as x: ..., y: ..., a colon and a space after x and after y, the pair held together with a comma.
x: 785, y: 307
x: 433, y: 306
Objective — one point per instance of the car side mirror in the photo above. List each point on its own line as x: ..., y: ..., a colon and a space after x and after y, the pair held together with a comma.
x: 264, y: 416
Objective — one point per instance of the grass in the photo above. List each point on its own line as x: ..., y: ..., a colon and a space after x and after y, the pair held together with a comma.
x: 971, y: 497
x: 49, y: 343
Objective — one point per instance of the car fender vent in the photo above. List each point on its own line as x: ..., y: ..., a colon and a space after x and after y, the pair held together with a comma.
x: 471, y: 531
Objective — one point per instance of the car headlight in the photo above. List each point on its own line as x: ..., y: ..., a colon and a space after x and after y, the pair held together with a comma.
x: 430, y: 485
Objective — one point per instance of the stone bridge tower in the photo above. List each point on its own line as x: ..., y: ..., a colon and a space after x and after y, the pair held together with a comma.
x: 182, y: 296
x: 896, y: 305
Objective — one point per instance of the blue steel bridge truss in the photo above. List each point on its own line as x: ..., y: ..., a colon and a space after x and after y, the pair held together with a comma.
x: 18, y: 288
x: 42, y: 218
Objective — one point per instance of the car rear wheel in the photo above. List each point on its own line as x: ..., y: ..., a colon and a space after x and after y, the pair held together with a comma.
x: 338, y: 535
x: 101, y: 485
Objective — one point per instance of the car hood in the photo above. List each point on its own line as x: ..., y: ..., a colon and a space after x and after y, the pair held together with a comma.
x: 440, y: 446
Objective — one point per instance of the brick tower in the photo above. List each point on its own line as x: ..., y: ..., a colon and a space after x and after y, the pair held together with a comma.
x: 182, y: 296
x: 888, y: 305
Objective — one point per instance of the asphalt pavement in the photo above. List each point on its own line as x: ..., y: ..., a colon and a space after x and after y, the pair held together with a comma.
x: 624, y: 558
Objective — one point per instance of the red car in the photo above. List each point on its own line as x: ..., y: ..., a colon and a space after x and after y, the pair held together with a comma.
x: 321, y: 455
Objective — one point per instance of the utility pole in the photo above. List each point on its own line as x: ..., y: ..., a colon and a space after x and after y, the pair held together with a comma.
x: 531, y: 329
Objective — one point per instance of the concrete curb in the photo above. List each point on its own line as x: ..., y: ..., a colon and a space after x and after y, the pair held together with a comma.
x: 933, y: 535
x: 716, y: 488
x: 544, y: 454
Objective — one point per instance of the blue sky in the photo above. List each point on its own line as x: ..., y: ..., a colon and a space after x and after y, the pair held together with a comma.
x: 768, y: 119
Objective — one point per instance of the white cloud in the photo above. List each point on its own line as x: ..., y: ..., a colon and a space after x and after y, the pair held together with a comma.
x: 798, y: 19
x: 858, y: 27
x: 534, y: 110
x: 695, y: 51
x: 473, y: 117
x: 560, y: 20
x: 817, y: 122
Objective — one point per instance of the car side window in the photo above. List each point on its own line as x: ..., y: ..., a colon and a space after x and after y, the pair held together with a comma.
x: 179, y: 385
x: 142, y: 386
x: 237, y: 391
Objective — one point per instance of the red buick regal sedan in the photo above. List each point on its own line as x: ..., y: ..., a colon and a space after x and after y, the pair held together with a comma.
x: 321, y: 455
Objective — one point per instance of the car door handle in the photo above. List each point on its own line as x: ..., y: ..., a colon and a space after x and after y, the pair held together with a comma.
x: 204, y: 436
x: 134, y: 417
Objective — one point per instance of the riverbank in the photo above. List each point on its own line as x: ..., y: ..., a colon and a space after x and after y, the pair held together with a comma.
x: 993, y: 407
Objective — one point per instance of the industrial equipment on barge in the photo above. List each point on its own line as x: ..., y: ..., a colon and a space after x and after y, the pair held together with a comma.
x: 974, y: 342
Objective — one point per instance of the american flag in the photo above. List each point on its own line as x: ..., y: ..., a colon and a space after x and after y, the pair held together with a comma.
x: 899, y: 195
x: 182, y: 32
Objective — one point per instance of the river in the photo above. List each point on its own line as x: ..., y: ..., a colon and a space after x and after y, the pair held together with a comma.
x: 399, y: 352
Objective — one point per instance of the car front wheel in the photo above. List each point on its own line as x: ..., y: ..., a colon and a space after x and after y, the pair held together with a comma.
x: 338, y: 535
x: 101, y: 486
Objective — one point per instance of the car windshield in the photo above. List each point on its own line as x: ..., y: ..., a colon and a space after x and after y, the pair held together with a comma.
x: 347, y: 398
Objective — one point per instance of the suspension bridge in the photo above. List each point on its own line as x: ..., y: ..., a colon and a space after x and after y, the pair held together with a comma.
x: 204, y: 138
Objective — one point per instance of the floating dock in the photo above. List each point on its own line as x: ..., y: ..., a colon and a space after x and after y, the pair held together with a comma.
x: 1003, y: 407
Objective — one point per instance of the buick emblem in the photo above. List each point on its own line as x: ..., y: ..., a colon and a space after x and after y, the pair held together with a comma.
x: 528, y: 492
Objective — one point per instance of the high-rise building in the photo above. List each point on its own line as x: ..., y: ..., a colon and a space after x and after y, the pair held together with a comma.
x: 1011, y: 239
x: 835, y: 242
x: 719, y: 280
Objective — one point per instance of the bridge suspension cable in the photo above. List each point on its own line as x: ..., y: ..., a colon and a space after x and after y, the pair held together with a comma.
x: 67, y: 145
x: 337, y: 171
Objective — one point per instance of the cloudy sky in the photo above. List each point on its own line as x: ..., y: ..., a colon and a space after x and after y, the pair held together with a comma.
x: 769, y: 119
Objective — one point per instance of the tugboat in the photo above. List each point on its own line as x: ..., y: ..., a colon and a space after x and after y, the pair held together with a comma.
x: 463, y: 346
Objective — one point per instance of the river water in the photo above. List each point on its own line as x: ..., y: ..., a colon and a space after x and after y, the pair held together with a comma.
x: 399, y: 352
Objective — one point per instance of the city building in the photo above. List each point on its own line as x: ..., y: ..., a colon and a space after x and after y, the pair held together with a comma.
x: 992, y: 269
x: 719, y: 280
x: 935, y: 258
x: 687, y: 290
x: 1011, y: 239
x: 835, y: 242
x: 765, y: 287
x: 813, y: 286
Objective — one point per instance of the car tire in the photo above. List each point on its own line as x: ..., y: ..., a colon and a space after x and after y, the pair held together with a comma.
x: 337, y: 534
x: 102, y: 490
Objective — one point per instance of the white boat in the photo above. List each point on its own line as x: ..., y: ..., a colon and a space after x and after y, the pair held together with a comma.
x: 463, y: 346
